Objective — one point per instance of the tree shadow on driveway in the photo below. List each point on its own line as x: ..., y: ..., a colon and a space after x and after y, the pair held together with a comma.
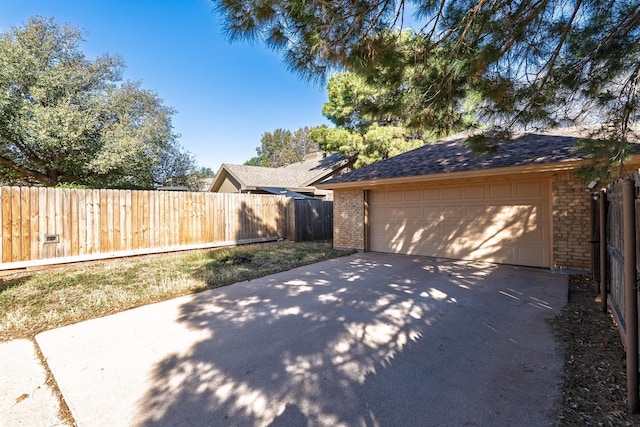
x: 368, y: 340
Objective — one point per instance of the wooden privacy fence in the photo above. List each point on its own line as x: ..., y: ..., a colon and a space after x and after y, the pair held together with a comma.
x: 619, y: 235
x: 51, y: 225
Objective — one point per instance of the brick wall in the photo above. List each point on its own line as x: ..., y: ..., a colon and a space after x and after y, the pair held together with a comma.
x: 571, y: 211
x: 348, y: 219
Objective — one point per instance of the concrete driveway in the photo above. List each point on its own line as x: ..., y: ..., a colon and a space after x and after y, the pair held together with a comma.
x: 366, y: 340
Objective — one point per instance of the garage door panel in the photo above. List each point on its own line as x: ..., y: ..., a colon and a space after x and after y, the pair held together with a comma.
x: 376, y: 211
x: 432, y: 213
x: 432, y: 194
x: 498, y: 222
x: 397, y: 213
x: 395, y: 196
x: 500, y: 190
x: 532, y: 236
x: 414, y: 212
x: 377, y: 197
x: 454, y: 193
x: 452, y: 211
x: 473, y: 211
x: 531, y: 253
x: 475, y: 192
x: 529, y: 189
x: 453, y: 232
x: 411, y: 196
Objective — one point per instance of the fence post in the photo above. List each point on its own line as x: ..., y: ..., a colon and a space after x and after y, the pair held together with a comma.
x: 602, y: 204
x: 630, y: 282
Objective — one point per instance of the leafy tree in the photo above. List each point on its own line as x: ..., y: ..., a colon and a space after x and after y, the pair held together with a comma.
x: 65, y: 118
x: 196, y: 178
x: 283, y: 147
x: 533, y: 63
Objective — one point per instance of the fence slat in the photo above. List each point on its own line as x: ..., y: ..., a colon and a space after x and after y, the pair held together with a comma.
x: 67, y: 214
x: 33, y: 223
x: 6, y: 224
x: 16, y: 226
x: 115, y: 225
x: 42, y: 221
x: 82, y: 226
x: 152, y: 227
x: 25, y: 224
x: 75, y: 223
x: 126, y: 220
x: 97, y: 222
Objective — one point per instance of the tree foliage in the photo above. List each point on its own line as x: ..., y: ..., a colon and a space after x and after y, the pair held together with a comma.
x: 65, y: 118
x: 377, y: 143
x: 367, y: 125
x: 283, y: 147
x: 532, y: 63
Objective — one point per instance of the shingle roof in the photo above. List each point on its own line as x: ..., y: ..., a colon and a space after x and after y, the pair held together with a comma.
x: 451, y: 155
x: 255, y: 176
x: 296, y: 175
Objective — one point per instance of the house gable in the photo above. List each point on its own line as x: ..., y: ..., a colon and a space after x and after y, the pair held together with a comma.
x: 229, y: 185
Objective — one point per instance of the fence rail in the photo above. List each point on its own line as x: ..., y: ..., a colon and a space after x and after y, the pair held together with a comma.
x: 40, y: 224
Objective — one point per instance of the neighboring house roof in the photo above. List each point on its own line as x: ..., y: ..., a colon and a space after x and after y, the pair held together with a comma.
x: 451, y: 155
x: 206, y: 184
x: 296, y: 176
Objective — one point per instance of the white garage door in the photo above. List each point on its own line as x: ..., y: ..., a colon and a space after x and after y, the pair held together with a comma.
x: 504, y: 221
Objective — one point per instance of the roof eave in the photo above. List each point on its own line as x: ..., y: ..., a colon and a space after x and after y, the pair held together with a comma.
x: 217, y: 179
x: 478, y: 173
x: 330, y: 171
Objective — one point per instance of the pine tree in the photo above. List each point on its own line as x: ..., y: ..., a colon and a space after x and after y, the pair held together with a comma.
x: 530, y: 63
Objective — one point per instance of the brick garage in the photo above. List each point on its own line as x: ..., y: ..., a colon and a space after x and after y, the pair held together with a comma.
x: 523, y: 206
x: 572, y: 230
x: 348, y: 218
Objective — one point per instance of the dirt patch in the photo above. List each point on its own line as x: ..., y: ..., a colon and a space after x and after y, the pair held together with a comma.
x: 595, y: 388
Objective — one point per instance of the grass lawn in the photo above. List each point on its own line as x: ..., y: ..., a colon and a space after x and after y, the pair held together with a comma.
x: 53, y: 298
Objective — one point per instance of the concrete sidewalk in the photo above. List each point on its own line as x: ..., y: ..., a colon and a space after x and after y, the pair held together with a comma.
x: 25, y: 397
x: 370, y: 339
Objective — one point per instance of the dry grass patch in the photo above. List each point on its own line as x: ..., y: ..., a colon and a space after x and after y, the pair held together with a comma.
x: 54, y: 298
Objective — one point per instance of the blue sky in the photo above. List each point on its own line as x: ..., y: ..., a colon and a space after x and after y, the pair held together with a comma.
x: 226, y: 94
